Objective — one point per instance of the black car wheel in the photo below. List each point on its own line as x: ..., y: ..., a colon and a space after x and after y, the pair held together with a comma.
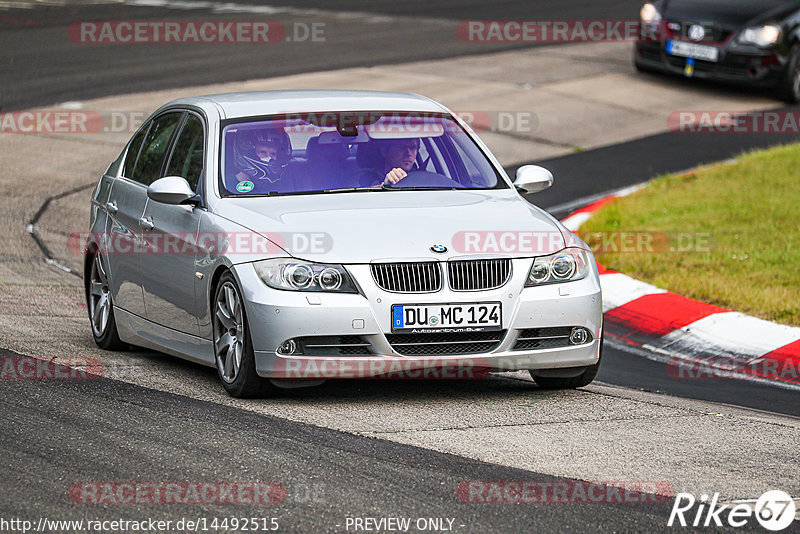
x: 583, y: 379
x: 640, y: 67
x: 789, y: 88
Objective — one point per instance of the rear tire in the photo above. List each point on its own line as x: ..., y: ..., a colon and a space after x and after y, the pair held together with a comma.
x: 583, y: 379
x: 233, y: 347
x: 99, y: 304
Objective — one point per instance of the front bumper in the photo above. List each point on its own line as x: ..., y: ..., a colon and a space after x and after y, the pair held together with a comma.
x: 739, y: 64
x: 276, y: 316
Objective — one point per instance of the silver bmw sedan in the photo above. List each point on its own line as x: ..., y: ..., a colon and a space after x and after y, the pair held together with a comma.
x: 287, y: 238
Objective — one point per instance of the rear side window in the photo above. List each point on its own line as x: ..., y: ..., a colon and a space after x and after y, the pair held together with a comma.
x: 133, y: 152
x: 188, y: 154
x: 154, y: 149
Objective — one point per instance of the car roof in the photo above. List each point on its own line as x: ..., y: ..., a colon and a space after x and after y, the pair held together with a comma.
x: 256, y: 103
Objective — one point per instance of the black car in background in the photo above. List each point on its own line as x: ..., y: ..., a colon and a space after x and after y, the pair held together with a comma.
x: 751, y: 42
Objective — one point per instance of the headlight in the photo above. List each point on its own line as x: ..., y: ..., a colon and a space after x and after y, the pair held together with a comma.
x: 565, y: 266
x: 766, y: 35
x: 649, y: 13
x: 298, y: 275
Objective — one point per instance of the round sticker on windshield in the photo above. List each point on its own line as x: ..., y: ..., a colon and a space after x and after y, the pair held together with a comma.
x: 245, y: 187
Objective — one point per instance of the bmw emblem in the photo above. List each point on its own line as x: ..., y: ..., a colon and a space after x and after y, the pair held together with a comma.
x: 696, y: 32
x: 439, y: 249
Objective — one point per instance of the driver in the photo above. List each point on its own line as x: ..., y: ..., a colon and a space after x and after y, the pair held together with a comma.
x: 399, y: 156
x: 262, y: 154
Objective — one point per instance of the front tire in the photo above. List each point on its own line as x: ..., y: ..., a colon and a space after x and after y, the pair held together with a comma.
x: 789, y: 87
x: 233, y: 348
x: 100, y: 305
x: 583, y: 379
x: 641, y: 67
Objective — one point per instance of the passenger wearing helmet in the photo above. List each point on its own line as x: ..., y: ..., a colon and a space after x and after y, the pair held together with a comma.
x: 262, y: 155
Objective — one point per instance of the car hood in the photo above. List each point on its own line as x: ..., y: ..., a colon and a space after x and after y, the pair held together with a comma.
x: 393, y: 225
x: 730, y: 14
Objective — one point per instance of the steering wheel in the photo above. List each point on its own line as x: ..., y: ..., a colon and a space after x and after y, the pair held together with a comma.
x: 427, y: 179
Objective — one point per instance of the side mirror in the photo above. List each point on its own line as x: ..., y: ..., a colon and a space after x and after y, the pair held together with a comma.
x: 532, y: 179
x: 172, y: 190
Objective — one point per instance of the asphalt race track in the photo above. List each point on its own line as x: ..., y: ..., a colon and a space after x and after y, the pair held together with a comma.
x: 361, y: 453
x: 127, y: 432
x: 39, y: 68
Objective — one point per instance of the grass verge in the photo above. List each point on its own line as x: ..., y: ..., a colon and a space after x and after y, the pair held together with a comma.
x: 727, y: 234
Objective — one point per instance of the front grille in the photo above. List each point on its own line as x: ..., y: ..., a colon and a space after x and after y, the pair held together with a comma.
x: 417, y: 277
x: 446, y: 342
x: 476, y: 275
x: 333, y: 345
x: 713, y: 33
x: 543, y: 338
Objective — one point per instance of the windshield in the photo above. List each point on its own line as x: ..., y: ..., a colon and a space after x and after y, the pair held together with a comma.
x: 325, y: 152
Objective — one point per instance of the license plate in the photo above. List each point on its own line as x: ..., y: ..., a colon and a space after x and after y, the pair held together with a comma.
x: 696, y: 51
x: 471, y: 317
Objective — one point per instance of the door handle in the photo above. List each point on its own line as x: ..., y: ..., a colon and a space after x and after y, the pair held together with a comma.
x: 111, y: 207
x: 146, y: 224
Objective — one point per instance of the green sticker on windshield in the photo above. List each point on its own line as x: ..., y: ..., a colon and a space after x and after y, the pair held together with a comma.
x: 245, y: 187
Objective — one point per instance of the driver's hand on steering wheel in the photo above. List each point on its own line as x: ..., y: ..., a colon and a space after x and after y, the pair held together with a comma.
x: 394, y: 176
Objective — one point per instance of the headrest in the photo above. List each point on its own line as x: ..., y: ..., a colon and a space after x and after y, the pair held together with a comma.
x: 368, y: 156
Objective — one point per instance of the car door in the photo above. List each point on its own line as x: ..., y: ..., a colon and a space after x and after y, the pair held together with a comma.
x: 126, y: 205
x: 171, y: 233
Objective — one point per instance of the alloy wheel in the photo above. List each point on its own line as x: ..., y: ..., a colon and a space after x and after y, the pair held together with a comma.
x: 99, y: 297
x: 228, y: 332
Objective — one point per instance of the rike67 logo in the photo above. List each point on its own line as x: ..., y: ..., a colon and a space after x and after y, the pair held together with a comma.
x: 774, y: 510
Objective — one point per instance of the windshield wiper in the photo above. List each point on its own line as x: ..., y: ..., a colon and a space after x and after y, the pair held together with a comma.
x: 387, y: 187
x: 355, y: 189
x: 422, y: 188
